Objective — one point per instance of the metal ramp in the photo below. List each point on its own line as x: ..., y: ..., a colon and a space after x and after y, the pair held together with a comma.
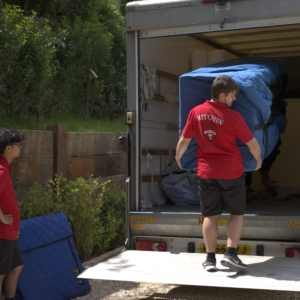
x: 265, y: 272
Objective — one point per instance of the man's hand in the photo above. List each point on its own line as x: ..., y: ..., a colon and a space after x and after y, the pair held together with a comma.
x: 254, y: 148
x: 258, y: 166
x: 19, y: 234
x: 7, y: 219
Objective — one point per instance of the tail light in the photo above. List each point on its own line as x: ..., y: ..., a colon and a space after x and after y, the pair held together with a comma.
x: 150, y: 246
x: 292, y: 252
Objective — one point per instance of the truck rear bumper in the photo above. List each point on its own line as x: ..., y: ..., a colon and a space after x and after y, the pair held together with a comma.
x: 246, y: 247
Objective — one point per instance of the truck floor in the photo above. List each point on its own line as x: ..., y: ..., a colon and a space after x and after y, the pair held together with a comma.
x: 262, y: 207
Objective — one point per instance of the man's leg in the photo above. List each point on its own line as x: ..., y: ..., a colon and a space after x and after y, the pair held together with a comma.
x: 234, y: 196
x: 210, y: 195
x: 11, y: 281
x: 266, y: 167
x: 210, y: 233
x: 1, y: 281
x: 234, y: 230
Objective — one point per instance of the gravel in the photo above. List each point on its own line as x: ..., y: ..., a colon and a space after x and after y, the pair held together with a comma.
x: 112, y: 290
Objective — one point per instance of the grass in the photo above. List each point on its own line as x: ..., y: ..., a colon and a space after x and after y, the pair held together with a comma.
x: 74, y: 123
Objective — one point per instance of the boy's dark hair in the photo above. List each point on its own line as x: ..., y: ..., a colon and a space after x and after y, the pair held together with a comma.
x: 8, y: 137
x: 223, y: 84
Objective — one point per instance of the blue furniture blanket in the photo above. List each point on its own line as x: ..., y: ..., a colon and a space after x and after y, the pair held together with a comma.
x: 254, y: 75
x: 51, y: 262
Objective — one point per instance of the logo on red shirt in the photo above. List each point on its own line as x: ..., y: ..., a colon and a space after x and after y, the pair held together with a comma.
x: 210, y: 131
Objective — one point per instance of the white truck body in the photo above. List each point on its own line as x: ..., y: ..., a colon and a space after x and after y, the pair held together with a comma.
x: 169, y: 35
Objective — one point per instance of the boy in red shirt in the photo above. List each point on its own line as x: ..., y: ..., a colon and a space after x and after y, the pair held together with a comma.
x: 221, y: 181
x: 11, y: 261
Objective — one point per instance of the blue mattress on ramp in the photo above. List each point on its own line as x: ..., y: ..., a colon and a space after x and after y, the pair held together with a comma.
x: 254, y: 75
x: 51, y: 262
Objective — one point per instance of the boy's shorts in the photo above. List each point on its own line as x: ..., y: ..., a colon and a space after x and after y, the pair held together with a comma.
x: 10, y: 256
x: 217, y: 195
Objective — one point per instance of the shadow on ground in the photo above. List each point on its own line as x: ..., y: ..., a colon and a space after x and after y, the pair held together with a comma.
x: 215, y: 293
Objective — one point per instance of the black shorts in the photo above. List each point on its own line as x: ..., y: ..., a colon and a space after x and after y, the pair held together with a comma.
x: 217, y: 195
x: 10, y: 256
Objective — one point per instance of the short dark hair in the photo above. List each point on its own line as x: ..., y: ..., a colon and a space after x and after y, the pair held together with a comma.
x: 8, y: 137
x: 223, y: 84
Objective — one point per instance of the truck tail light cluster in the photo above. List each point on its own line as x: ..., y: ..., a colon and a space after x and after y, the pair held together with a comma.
x: 150, y: 246
x: 292, y: 252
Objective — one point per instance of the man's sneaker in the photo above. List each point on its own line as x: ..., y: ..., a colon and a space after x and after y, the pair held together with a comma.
x: 233, y: 262
x: 210, y: 265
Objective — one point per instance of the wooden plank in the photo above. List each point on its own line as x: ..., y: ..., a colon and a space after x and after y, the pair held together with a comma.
x: 148, y: 178
x: 27, y: 171
x: 37, y: 144
x: 167, y: 75
x: 155, y: 152
x: 49, y: 127
x: 94, y: 143
x: 102, y: 165
x: 61, y: 160
x: 158, y: 98
x: 118, y: 181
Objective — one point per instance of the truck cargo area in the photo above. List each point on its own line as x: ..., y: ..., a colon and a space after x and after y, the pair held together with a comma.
x: 176, y: 55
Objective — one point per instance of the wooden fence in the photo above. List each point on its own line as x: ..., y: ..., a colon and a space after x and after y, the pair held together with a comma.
x: 87, y: 153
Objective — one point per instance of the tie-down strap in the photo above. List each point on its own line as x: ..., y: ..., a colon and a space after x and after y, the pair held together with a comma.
x: 263, y: 127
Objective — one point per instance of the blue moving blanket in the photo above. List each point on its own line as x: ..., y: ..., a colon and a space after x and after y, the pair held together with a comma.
x: 51, y: 262
x: 254, y: 75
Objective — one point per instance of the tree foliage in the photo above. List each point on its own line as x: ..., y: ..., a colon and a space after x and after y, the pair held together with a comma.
x: 68, y: 55
x: 27, y: 62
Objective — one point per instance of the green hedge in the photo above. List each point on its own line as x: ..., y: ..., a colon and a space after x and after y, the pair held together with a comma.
x: 98, y: 213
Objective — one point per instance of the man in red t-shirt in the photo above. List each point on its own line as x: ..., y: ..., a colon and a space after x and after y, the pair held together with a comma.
x: 221, y: 181
x: 11, y: 261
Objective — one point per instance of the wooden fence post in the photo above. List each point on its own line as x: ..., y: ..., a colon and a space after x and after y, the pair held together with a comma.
x: 60, y: 148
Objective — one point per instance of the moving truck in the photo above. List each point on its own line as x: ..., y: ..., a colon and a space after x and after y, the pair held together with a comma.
x: 166, y: 35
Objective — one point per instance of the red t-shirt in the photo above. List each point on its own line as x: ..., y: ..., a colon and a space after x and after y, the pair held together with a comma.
x: 216, y: 127
x: 8, y: 202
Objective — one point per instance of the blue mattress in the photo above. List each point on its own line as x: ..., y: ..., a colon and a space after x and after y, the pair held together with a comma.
x: 253, y: 75
x: 51, y: 263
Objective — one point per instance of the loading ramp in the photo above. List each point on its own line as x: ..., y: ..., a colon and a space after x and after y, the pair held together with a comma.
x: 264, y: 273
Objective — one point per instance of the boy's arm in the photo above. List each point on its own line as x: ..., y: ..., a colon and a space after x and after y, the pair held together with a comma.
x: 5, y: 219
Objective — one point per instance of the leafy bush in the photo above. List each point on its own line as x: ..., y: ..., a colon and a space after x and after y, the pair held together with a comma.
x: 97, y: 213
x: 113, y: 218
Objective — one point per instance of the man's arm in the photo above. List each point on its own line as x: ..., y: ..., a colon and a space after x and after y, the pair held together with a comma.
x: 255, y: 150
x: 182, y: 145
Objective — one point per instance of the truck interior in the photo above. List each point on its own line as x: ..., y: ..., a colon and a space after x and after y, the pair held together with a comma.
x: 176, y: 55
